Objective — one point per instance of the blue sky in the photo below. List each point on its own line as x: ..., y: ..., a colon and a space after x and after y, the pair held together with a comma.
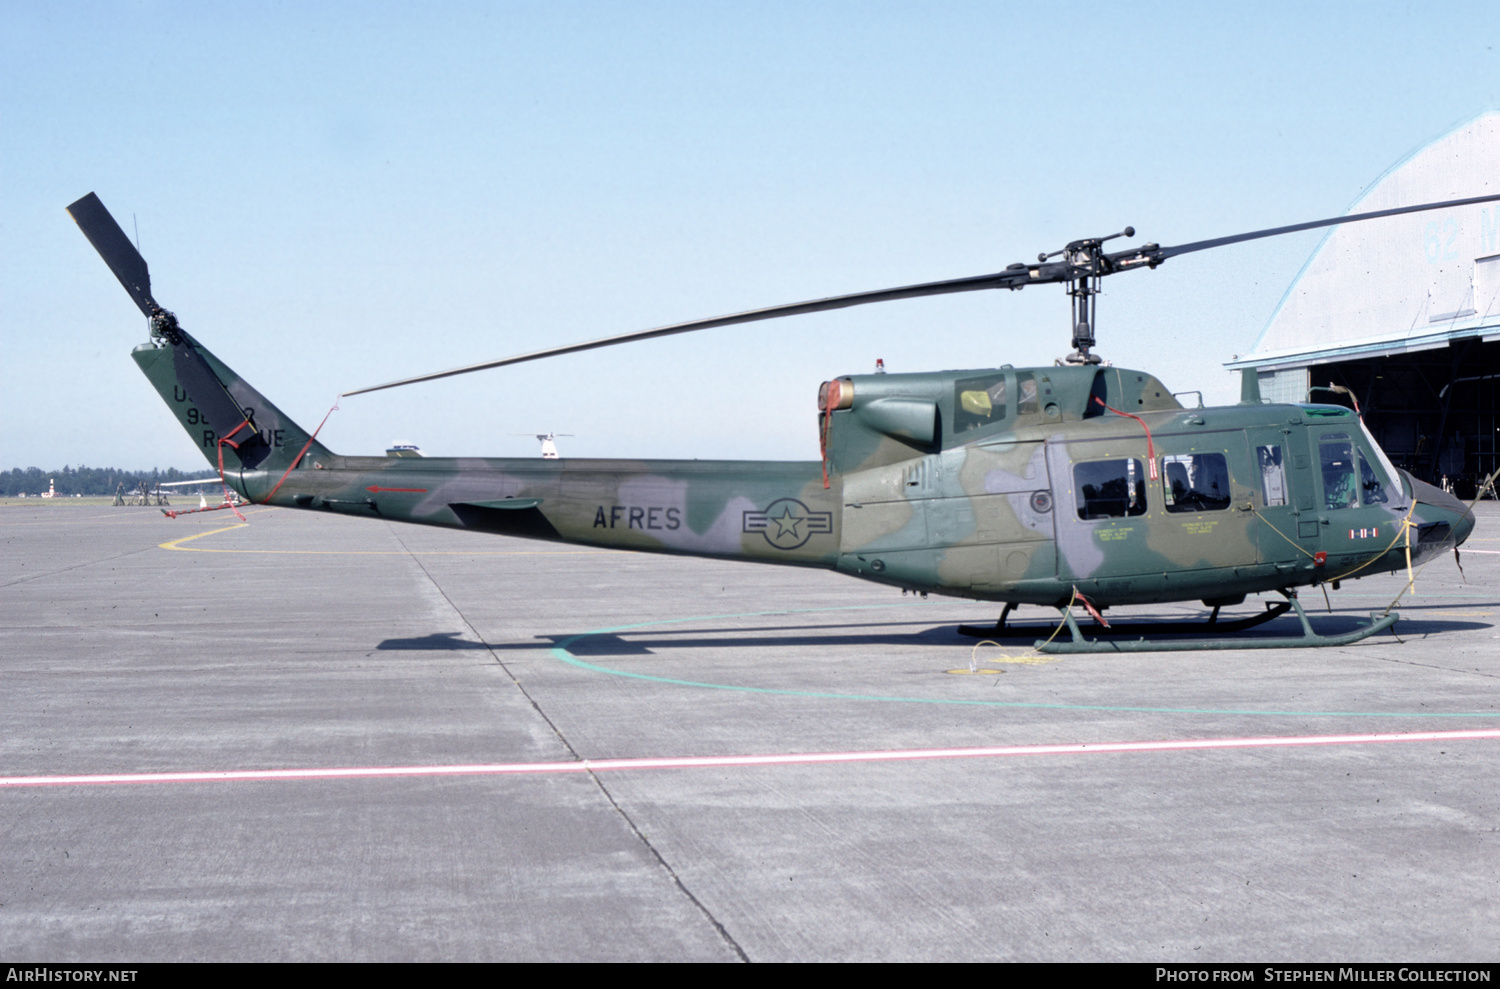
x: 333, y: 195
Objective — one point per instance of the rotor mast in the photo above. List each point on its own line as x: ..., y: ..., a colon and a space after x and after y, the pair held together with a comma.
x: 1087, y: 264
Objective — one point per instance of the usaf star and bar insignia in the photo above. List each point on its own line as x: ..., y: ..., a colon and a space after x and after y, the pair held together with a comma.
x: 787, y: 523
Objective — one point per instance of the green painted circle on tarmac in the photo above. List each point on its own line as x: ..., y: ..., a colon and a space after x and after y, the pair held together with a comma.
x: 560, y: 651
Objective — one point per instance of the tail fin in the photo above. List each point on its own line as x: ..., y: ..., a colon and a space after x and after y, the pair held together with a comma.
x: 222, y: 413
x: 257, y: 435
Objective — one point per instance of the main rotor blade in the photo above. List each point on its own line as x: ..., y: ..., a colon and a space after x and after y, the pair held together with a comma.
x: 116, y: 250
x: 1202, y: 245
x: 1003, y: 279
x: 1014, y: 277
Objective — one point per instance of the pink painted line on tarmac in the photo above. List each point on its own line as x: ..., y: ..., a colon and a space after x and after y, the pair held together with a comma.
x: 783, y: 759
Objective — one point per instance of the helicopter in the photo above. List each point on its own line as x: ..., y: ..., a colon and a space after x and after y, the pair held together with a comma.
x: 1079, y: 482
x: 549, y: 443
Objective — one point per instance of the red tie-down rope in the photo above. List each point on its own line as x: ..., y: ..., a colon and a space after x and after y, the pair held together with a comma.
x: 229, y: 439
x: 298, y: 458
x: 227, y: 502
x: 829, y: 398
x: 1150, y: 446
x: 823, y: 444
x: 1089, y: 605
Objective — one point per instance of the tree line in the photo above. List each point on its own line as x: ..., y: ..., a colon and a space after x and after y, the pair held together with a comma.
x: 89, y: 480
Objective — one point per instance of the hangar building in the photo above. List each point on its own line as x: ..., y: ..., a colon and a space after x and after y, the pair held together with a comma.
x: 1404, y: 313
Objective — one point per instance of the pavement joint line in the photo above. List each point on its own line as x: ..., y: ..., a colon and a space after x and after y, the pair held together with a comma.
x: 1433, y: 666
x: 557, y: 731
x: 76, y: 566
x: 592, y: 766
x: 560, y: 652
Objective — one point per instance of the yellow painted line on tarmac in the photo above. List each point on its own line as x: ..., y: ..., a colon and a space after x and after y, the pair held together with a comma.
x: 177, y: 543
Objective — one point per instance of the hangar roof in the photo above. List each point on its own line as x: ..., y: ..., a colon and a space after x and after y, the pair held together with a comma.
x: 1406, y: 283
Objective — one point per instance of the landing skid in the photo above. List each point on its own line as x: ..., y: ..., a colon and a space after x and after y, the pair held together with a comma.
x: 1079, y: 644
x: 1274, y: 609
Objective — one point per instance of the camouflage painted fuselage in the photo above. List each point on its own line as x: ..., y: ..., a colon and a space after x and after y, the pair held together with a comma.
x: 1002, y: 484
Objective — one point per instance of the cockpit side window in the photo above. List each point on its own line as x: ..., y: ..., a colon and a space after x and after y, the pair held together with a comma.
x: 978, y: 402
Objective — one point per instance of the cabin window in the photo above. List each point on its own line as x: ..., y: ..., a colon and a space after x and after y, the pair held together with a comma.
x: 1195, y: 482
x: 978, y: 402
x: 1110, y: 489
x: 1336, y: 455
x: 1272, y: 476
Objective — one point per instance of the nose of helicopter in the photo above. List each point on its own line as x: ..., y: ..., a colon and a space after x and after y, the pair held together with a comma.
x: 1441, y: 519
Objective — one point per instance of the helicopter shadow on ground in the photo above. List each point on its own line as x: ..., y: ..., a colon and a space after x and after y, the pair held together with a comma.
x: 947, y: 635
x: 435, y: 642
x: 898, y: 634
x: 904, y: 634
x: 645, y: 643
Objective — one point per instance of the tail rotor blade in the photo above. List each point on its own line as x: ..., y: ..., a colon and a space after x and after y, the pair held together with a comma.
x: 116, y: 250
x: 212, y: 400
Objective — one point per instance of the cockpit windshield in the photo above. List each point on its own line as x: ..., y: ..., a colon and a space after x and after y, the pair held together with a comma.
x: 1382, y: 465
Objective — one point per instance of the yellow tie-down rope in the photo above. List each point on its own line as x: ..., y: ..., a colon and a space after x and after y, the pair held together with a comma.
x: 1406, y: 526
x: 1033, y: 656
x: 1268, y: 523
x: 1409, y: 525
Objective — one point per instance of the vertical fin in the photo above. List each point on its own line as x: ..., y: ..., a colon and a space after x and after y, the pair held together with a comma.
x: 272, y: 440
